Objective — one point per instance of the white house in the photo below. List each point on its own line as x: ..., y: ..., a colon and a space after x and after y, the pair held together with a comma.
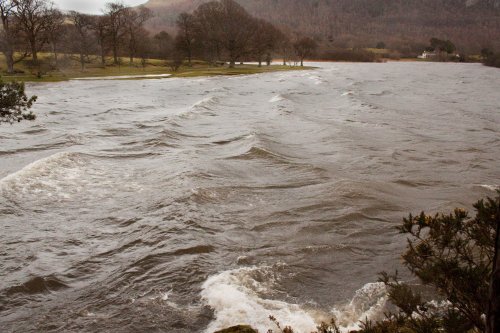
x: 427, y: 55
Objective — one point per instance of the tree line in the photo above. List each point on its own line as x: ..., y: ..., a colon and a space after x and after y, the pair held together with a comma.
x: 345, y: 24
x: 217, y: 31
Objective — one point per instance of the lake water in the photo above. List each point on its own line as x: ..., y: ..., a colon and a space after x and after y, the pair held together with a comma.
x: 187, y: 205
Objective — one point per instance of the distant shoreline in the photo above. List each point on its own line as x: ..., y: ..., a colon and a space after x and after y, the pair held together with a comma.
x: 148, y: 73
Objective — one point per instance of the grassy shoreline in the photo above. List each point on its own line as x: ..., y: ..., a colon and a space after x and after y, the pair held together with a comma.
x: 145, y: 73
x: 70, y: 69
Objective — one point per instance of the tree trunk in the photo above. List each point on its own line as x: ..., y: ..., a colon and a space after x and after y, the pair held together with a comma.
x: 232, y: 58
x: 115, y: 53
x: 9, y: 58
x: 82, y: 61
x: 493, y: 316
x: 302, y: 62
x: 34, y: 52
x: 103, y: 54
x: 131, y: 46
x: 9, y: 50
x: 54, y: 51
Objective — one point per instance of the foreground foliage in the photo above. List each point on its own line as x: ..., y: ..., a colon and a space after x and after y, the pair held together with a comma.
x: 14, y: 104
x: 454, y: 255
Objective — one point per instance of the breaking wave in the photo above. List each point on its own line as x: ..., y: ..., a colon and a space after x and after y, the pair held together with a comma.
x: 64, y: 176
x: 369, y: 302
x: 45, y: 176
x: 206, y: 106
x: 244, y: 296
x: 207, y: 103
x: 277, y: 98
x: 492, y: 188
x: 236, y: 297
x: 260, y: 153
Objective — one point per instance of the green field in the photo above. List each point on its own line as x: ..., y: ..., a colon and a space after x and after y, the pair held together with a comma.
x: 69, y: 67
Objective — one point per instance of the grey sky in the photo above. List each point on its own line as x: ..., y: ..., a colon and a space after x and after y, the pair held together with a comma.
x: 90, y: 6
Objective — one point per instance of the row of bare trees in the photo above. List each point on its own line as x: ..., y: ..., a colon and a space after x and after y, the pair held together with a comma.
x: 31, y: 21
x: 223, y: 30
x: 30, y: 26
x: 217, y: 31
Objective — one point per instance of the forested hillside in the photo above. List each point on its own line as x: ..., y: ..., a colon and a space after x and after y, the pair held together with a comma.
x: 402, y: 24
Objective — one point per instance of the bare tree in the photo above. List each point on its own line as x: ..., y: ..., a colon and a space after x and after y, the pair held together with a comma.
x: 237, y: 29
x: 144, y: 46
x: 163, y: 45
x: 265, y: 40
x: 100, y: 28
x: 227, y: 25
x: 134, y: 26
x: 115, y: 13
x: 55, y: 31
x: 305, y: 47
x: 34, y: 19
x: 7, y: 11
x: 207, y: 30
x: 185, y: 39
x: 82, y: 25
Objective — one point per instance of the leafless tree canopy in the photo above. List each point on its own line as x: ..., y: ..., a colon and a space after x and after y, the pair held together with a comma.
x: 217, y: 31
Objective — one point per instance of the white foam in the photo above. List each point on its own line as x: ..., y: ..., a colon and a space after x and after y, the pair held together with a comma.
x: 277, y: 98
x: 206, y: 103
x: 166, y: 295
x: 493, y: 188
x: 44, y: 175
x: 316, y: 79
x: 369, y: 302
x: 238, y: 298
x: 63, y: 176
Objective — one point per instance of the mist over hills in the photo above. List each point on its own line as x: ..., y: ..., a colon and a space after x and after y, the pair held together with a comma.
x: 402, y: 24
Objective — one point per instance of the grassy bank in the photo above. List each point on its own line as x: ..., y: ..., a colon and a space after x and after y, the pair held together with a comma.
x: 68, y: 67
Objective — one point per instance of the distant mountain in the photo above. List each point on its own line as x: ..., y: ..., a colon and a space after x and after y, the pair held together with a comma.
x: 402, y: 24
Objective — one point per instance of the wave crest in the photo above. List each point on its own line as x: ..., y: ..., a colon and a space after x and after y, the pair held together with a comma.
x: 369, y: 302
x: 236, y: 297
x: 44, y: 176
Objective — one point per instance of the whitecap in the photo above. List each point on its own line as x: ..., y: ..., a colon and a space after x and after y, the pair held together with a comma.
x: 237, y: 297
x: 277, y: 98
x: 64, y: 176
x: 369, y: 302
x: 44, y: 176
x: 492, y: 188
x: 206, y: 103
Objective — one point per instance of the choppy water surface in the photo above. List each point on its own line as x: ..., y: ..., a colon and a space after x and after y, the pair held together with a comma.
x: 186, y: 205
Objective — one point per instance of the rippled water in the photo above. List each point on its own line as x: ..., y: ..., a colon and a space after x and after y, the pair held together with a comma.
x: 186, y: 205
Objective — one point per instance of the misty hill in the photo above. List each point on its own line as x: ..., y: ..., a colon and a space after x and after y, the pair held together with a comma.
x: 401, y: 24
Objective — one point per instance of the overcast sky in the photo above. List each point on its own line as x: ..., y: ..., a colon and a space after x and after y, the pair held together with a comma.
x: 90, y: 6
